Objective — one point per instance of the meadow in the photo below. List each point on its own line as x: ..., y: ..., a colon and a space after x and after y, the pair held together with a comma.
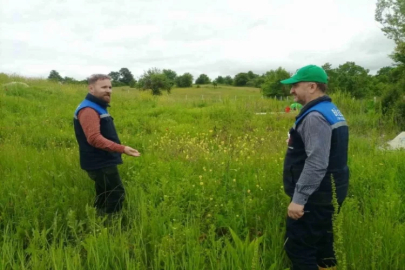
x: 205, y: 194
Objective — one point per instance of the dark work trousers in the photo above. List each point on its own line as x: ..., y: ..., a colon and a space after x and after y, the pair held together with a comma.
x: 309, y: 240
x: 110, y: 192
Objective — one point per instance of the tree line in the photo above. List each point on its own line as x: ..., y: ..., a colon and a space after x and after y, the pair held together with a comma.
x: 350, y: 78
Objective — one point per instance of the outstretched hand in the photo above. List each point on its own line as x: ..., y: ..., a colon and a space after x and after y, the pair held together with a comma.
x: 131, y: 152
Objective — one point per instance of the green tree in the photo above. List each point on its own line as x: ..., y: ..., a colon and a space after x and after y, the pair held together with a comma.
x: 171, y: 75
x: 272, y: 86
x: 155, y: 80
x: 251, y: 75
x: 55, y: 76
x: 391, y: 14
x: 354, y: 79
x: 258, y: 81
x: 115, y: 76
x: 255, y: 80
x: 250, y: 83
x: 185, y: 80
x: 215, y: 83
x: 126, y: 77
x: 220, y: 80
x: 203, y: 79
x: 332, y: 87
x: 389, y: 100
x: 397, y: 74
x: 228, y: 80
x: 241, y: 79
x: 384, y: 75
x: 399, y: 53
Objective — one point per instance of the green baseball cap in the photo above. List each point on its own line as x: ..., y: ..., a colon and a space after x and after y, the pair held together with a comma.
x: 309, y: 73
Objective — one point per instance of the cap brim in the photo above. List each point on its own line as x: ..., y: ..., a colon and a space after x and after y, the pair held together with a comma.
x: 291, y: 80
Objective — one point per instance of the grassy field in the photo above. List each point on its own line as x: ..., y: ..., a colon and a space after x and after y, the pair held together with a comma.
x: 206, y: 194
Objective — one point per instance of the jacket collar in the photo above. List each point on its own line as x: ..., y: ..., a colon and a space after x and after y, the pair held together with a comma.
x: 313, y: 103
x: 100, y: 102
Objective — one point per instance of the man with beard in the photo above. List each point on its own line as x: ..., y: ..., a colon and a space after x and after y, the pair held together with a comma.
x: 99, y: 146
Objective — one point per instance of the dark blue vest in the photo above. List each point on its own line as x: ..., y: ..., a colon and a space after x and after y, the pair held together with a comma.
x: 295, y: 157
x: 92, y: 158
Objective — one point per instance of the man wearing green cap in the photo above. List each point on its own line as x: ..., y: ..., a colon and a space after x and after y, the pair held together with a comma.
x: 317, y: 150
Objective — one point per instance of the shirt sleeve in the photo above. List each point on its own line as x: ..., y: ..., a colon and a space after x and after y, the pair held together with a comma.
x: 90, y: 122
x: 316, y: 134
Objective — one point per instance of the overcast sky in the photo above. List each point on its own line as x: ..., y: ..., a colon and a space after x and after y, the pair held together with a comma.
x: 216, y: 37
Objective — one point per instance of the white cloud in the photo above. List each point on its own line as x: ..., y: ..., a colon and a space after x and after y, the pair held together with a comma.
x: 79, y: 38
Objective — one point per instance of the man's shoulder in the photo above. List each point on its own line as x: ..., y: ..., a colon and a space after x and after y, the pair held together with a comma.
x: 314, y: 116
x: 313, y: 119
x: 88, y: 112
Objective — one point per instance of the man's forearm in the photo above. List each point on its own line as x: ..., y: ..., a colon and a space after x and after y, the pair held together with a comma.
x: 90, y: 122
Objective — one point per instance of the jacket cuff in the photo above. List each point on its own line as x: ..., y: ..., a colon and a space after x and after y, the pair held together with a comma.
x: 120, y: 148
x: 300, y: 198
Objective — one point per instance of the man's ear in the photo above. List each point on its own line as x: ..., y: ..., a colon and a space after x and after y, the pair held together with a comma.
x: 91, y: 88
x: 313, y: 87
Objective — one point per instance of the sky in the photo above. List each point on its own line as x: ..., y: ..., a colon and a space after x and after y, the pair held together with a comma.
x: 215, y: 37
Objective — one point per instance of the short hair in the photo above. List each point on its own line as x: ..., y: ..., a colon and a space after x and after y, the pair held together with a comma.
x: 95, y: 77
x: 322, y: 86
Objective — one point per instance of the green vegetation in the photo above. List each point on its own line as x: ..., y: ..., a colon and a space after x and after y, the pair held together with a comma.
x: 206, y: 193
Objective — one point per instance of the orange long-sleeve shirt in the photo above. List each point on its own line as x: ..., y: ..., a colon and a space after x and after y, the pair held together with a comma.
x: 90, y: 122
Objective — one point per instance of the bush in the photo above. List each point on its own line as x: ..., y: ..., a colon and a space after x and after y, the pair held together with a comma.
x: 203, y: 79
x: 393, y: 105
x: 117, y: 84
x: 185, y: 80
x: 251, y: 83
x: 272, y: 86
x: 389, y: 99
x: 155, y: 80
x: 399, y: 114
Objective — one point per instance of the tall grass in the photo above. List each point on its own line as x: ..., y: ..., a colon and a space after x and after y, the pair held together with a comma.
x: 206, y: 193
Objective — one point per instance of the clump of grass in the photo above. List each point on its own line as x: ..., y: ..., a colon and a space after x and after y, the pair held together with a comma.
x: 337, y: 220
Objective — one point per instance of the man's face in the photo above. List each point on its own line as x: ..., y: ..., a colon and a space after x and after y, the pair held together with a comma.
x: 302, y: 91
x: 101, y: 89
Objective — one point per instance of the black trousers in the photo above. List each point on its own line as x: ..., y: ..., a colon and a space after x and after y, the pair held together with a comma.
x: 309, y: 240
x: 110, y: 192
